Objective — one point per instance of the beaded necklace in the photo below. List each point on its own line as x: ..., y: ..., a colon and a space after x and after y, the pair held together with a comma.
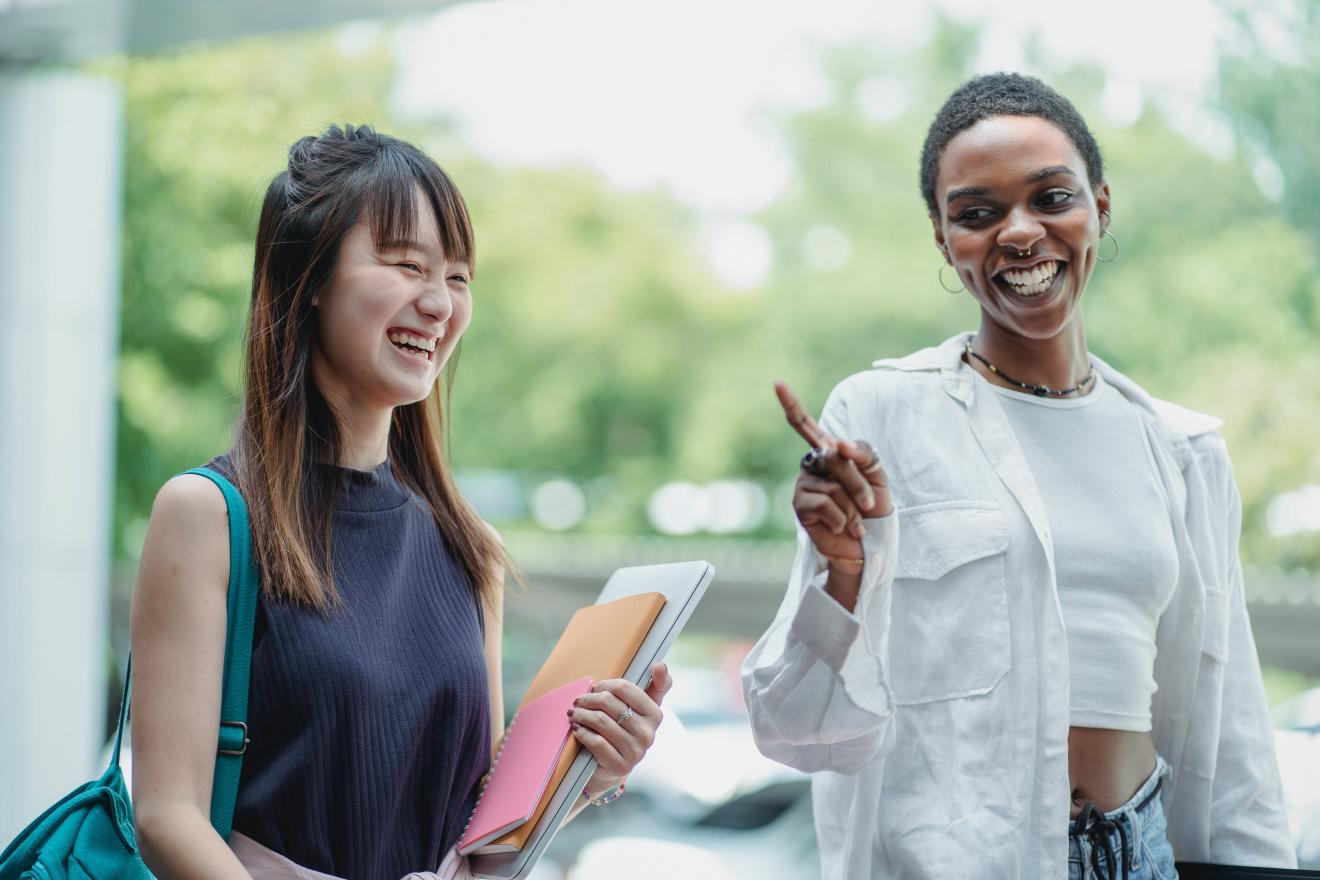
x: 1038, y: 390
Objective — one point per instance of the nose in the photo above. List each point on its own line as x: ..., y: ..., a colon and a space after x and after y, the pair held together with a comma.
x: 1020, y: 232
x: 435, y: 303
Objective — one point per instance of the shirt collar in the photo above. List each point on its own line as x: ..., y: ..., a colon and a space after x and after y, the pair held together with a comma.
x: 1176, y: 425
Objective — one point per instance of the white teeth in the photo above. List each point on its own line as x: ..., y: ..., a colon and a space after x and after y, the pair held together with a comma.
x: 410, y: 339
x: 1033, y: 281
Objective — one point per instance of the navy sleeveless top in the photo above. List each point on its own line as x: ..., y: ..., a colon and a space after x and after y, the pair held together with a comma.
x: 370, y: 725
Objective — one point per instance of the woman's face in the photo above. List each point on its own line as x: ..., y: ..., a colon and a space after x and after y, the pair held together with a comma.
x: 1011, y: 185
x: 390, y: 317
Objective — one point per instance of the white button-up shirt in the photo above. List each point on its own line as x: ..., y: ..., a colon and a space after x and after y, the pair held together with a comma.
x: 934, y: 718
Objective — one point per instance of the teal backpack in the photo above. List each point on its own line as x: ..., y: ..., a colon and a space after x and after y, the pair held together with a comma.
x: 89, y: 833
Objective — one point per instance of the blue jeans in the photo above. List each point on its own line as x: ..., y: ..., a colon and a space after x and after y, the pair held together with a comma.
x: 1128, y: 842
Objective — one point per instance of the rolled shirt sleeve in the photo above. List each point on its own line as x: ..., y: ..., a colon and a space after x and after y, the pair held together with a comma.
x: 815, y: 683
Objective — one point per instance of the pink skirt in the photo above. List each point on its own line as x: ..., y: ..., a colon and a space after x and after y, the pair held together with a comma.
x: 266, y: 864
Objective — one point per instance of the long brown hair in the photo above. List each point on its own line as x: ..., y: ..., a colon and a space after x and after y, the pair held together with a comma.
x: 288, y: 429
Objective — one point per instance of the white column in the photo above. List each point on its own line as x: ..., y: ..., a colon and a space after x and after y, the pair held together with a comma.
x: 60, y: 174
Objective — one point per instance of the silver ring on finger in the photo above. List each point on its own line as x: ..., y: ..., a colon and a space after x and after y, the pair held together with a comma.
x: 814, y: 461
x: 625, y: 715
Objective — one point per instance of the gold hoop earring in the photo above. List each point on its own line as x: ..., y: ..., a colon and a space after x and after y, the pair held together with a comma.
x: 1112, y: 257
x: 945, y: 286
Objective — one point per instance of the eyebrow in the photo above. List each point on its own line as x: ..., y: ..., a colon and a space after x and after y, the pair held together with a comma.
x: 965, y: 191
x: 1050, y: 172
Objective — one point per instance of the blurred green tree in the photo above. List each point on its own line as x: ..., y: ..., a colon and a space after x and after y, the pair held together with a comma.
x: 1270, y: 89
x: 1269, y: 82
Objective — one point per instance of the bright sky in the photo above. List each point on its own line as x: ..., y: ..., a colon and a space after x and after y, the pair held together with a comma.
x: 676, y: 94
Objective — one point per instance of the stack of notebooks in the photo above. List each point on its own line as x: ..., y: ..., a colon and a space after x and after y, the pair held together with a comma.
x: 599, y: 643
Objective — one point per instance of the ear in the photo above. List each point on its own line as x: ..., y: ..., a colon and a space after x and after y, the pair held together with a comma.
x: 1104, y: 206
x: 938, y: 228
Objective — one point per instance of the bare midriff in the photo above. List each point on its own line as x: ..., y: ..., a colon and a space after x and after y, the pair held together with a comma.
x: 1106, y: 767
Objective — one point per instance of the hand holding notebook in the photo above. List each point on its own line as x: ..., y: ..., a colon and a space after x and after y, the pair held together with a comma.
x: 529, y: 755
x: 600, y: 641
x: 652, y: 602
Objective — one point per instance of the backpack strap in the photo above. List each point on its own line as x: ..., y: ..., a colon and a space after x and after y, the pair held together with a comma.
x: 123, y: 712
x: 242, y: 611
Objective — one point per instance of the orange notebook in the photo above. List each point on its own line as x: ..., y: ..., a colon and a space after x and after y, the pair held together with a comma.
x: 600, y: 641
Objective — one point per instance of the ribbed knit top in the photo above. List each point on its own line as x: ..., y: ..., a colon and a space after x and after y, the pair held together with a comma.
x: 1115, y: 560
x: 370, y: 726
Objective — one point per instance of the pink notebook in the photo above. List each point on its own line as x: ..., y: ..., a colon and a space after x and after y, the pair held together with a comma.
x: 521, y: 770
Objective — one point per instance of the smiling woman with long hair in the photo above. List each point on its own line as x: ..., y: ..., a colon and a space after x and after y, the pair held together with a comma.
x: 375, y: 696
x: 1015, y: 642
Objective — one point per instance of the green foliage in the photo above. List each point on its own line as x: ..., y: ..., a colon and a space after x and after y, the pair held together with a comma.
x: 1269, y: 87
x: 602, y: 347
x: 589, y: 305
x: 1270, y: 90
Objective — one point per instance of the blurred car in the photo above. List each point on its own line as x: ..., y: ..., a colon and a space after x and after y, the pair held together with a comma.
x: 765, y: 833
x: 704, y: 754
x: 705, y: 803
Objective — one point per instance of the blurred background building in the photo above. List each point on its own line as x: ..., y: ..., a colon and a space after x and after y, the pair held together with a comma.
x: 675, y: 206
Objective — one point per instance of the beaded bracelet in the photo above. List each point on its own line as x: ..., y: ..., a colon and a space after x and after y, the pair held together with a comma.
x: 608, y: 797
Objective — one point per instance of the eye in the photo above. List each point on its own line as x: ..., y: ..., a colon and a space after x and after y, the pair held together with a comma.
x: 459, y: 279
x: 1056, y: 198
x: 972, y: 215
x: 413, y: 266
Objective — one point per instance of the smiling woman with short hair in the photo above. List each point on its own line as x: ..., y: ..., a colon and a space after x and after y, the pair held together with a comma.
x: 1015, y: 641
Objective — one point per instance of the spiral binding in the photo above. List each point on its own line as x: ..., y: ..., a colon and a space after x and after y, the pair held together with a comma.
x: 485, y: 782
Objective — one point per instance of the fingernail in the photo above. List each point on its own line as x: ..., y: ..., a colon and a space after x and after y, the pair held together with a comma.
x: 576, y: 727
x: 868, y: 500
x: 859, y: 530
x: 569, y: 713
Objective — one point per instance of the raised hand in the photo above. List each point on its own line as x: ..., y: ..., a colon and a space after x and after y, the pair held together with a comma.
x: 840, y: 485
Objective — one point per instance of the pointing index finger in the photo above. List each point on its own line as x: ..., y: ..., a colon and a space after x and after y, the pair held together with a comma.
x: 803, y: 423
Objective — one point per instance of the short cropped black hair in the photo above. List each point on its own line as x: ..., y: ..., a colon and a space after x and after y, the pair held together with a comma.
x: 1004, y: 94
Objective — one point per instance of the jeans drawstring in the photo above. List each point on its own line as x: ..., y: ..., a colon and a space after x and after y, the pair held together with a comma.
x: 1092, y: 824
x: 1097, y: 829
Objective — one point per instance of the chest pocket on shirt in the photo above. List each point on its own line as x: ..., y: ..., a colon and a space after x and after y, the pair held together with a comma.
x: 949, y: 615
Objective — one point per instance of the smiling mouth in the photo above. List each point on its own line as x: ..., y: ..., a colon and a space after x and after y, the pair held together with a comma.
x: 1031, y: 281
x: 413, y: 345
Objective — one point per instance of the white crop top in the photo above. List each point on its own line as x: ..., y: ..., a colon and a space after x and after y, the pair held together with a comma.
x: 1114, y: 553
